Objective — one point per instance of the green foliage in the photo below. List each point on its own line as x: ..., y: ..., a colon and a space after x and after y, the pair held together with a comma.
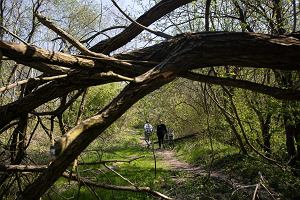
x: 80, y: 16
x: 171, y: 104
x: 97, y: 97
x: 199, y: 151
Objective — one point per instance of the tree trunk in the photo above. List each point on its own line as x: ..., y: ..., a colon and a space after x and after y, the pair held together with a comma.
x: 266, y: 135
x: 290, y: 142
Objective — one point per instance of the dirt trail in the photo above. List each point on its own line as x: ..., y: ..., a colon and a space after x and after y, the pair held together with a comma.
x: 169, y: 159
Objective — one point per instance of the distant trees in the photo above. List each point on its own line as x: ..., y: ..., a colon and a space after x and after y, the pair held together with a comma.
x: 47, y: 66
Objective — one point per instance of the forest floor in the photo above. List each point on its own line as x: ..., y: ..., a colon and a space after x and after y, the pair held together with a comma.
x: 189, y: 173
x: 172, y: 162
x: 169, y: 158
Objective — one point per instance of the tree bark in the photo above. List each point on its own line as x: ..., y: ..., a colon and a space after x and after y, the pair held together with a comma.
x: 266, y: 135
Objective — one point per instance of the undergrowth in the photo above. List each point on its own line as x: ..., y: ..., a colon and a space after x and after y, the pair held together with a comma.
x: 222, y: 168
x: 244, y: 169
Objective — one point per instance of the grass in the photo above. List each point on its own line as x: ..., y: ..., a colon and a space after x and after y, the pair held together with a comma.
x: 223, y: 158
x: 141, y: 172
x: 245, y: 169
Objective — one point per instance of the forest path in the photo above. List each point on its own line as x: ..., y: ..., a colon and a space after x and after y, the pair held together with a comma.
x: 172, y: 162
x: 169, y: 159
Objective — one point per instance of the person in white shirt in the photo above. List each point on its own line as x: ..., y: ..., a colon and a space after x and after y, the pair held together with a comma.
x: 148, y: 131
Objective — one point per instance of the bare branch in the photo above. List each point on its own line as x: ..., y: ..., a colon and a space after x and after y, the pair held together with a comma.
x: 156, y: 12
x: 22, y: 168
x: 158, y: 33
x: 118, y: 174
x: 14, y: 35
x: 116, y: 187
x: 19, y: 83
x: 275, y: 92
x: 77, y: 44
x: 101, y: 32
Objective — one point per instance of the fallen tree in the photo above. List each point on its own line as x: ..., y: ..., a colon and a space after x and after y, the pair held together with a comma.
x: 146, y: 69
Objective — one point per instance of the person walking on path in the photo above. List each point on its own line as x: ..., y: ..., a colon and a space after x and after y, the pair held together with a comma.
x: 148, y: 131
x: 161, y: 131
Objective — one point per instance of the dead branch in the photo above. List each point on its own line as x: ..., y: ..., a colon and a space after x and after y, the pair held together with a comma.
x: 261, y: 182
x: 77, y: 44
x: 22, y: 168
x: 116, y: 187
x: 118, y: 174
x: 19, y: 83
x: 111, y: 74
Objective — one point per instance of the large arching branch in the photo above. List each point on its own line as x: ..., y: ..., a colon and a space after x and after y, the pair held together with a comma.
x: 188, y: 51
x: 202, y: 49
x: 206, y: 49
x: 84, y: 133
x: 285, y: 94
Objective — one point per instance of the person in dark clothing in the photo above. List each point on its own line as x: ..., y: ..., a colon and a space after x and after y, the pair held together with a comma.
x: 161, y: 131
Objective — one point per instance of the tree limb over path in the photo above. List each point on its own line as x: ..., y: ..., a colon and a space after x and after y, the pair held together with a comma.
x: 204, y: 49
x: 278, y: 93
x: 83, y: 134
x: 199, y: 49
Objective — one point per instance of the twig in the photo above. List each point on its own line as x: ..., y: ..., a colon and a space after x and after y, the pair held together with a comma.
x: 51, y: 78
x: 77, y: 44
x: 113, y: 75
x: 14, y: 35
x: 101, y: 32
x: 22, y: 168
x: 158, y: 33
x: 260, y: 183
x: 124, y: 178
x: 242, y: 187
x: 262, y: 179
x: 256, y: 190
x: 268, y: 191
